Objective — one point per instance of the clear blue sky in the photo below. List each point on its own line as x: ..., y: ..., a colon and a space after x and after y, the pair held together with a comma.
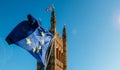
x: 93, y: 28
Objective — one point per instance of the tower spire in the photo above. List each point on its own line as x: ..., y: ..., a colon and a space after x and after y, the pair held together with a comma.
x: 53, y: 22
x: 64, y: 36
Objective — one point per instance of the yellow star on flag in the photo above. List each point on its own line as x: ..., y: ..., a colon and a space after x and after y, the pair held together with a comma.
x: 28, y: 41
x: 34, y: 50
x: 42, y: 33
x: 39, y: 48
x: 42, y: 41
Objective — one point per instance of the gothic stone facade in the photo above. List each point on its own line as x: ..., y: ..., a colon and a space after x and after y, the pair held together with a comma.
x: 58, y: 58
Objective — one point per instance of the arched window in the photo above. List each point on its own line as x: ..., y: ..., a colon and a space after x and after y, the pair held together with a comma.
x: 62, y: 58
x: 57, y: 53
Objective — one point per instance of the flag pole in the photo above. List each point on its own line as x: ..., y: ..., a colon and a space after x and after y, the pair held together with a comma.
x: 49, y: 53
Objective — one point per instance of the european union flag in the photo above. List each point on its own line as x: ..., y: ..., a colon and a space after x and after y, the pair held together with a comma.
x: 33, y: 38
x: 37, y: 44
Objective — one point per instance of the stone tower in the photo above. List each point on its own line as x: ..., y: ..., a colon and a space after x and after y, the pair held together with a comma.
x: 58, y: 58
x: 64, y: 37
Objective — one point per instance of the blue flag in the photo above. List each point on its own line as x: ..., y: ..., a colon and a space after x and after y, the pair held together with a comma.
x: 22, y: 30
x: 33, y: 38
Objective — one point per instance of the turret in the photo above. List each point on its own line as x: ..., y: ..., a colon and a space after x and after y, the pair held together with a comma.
x: 53, y: 23
x: 64, y: 36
